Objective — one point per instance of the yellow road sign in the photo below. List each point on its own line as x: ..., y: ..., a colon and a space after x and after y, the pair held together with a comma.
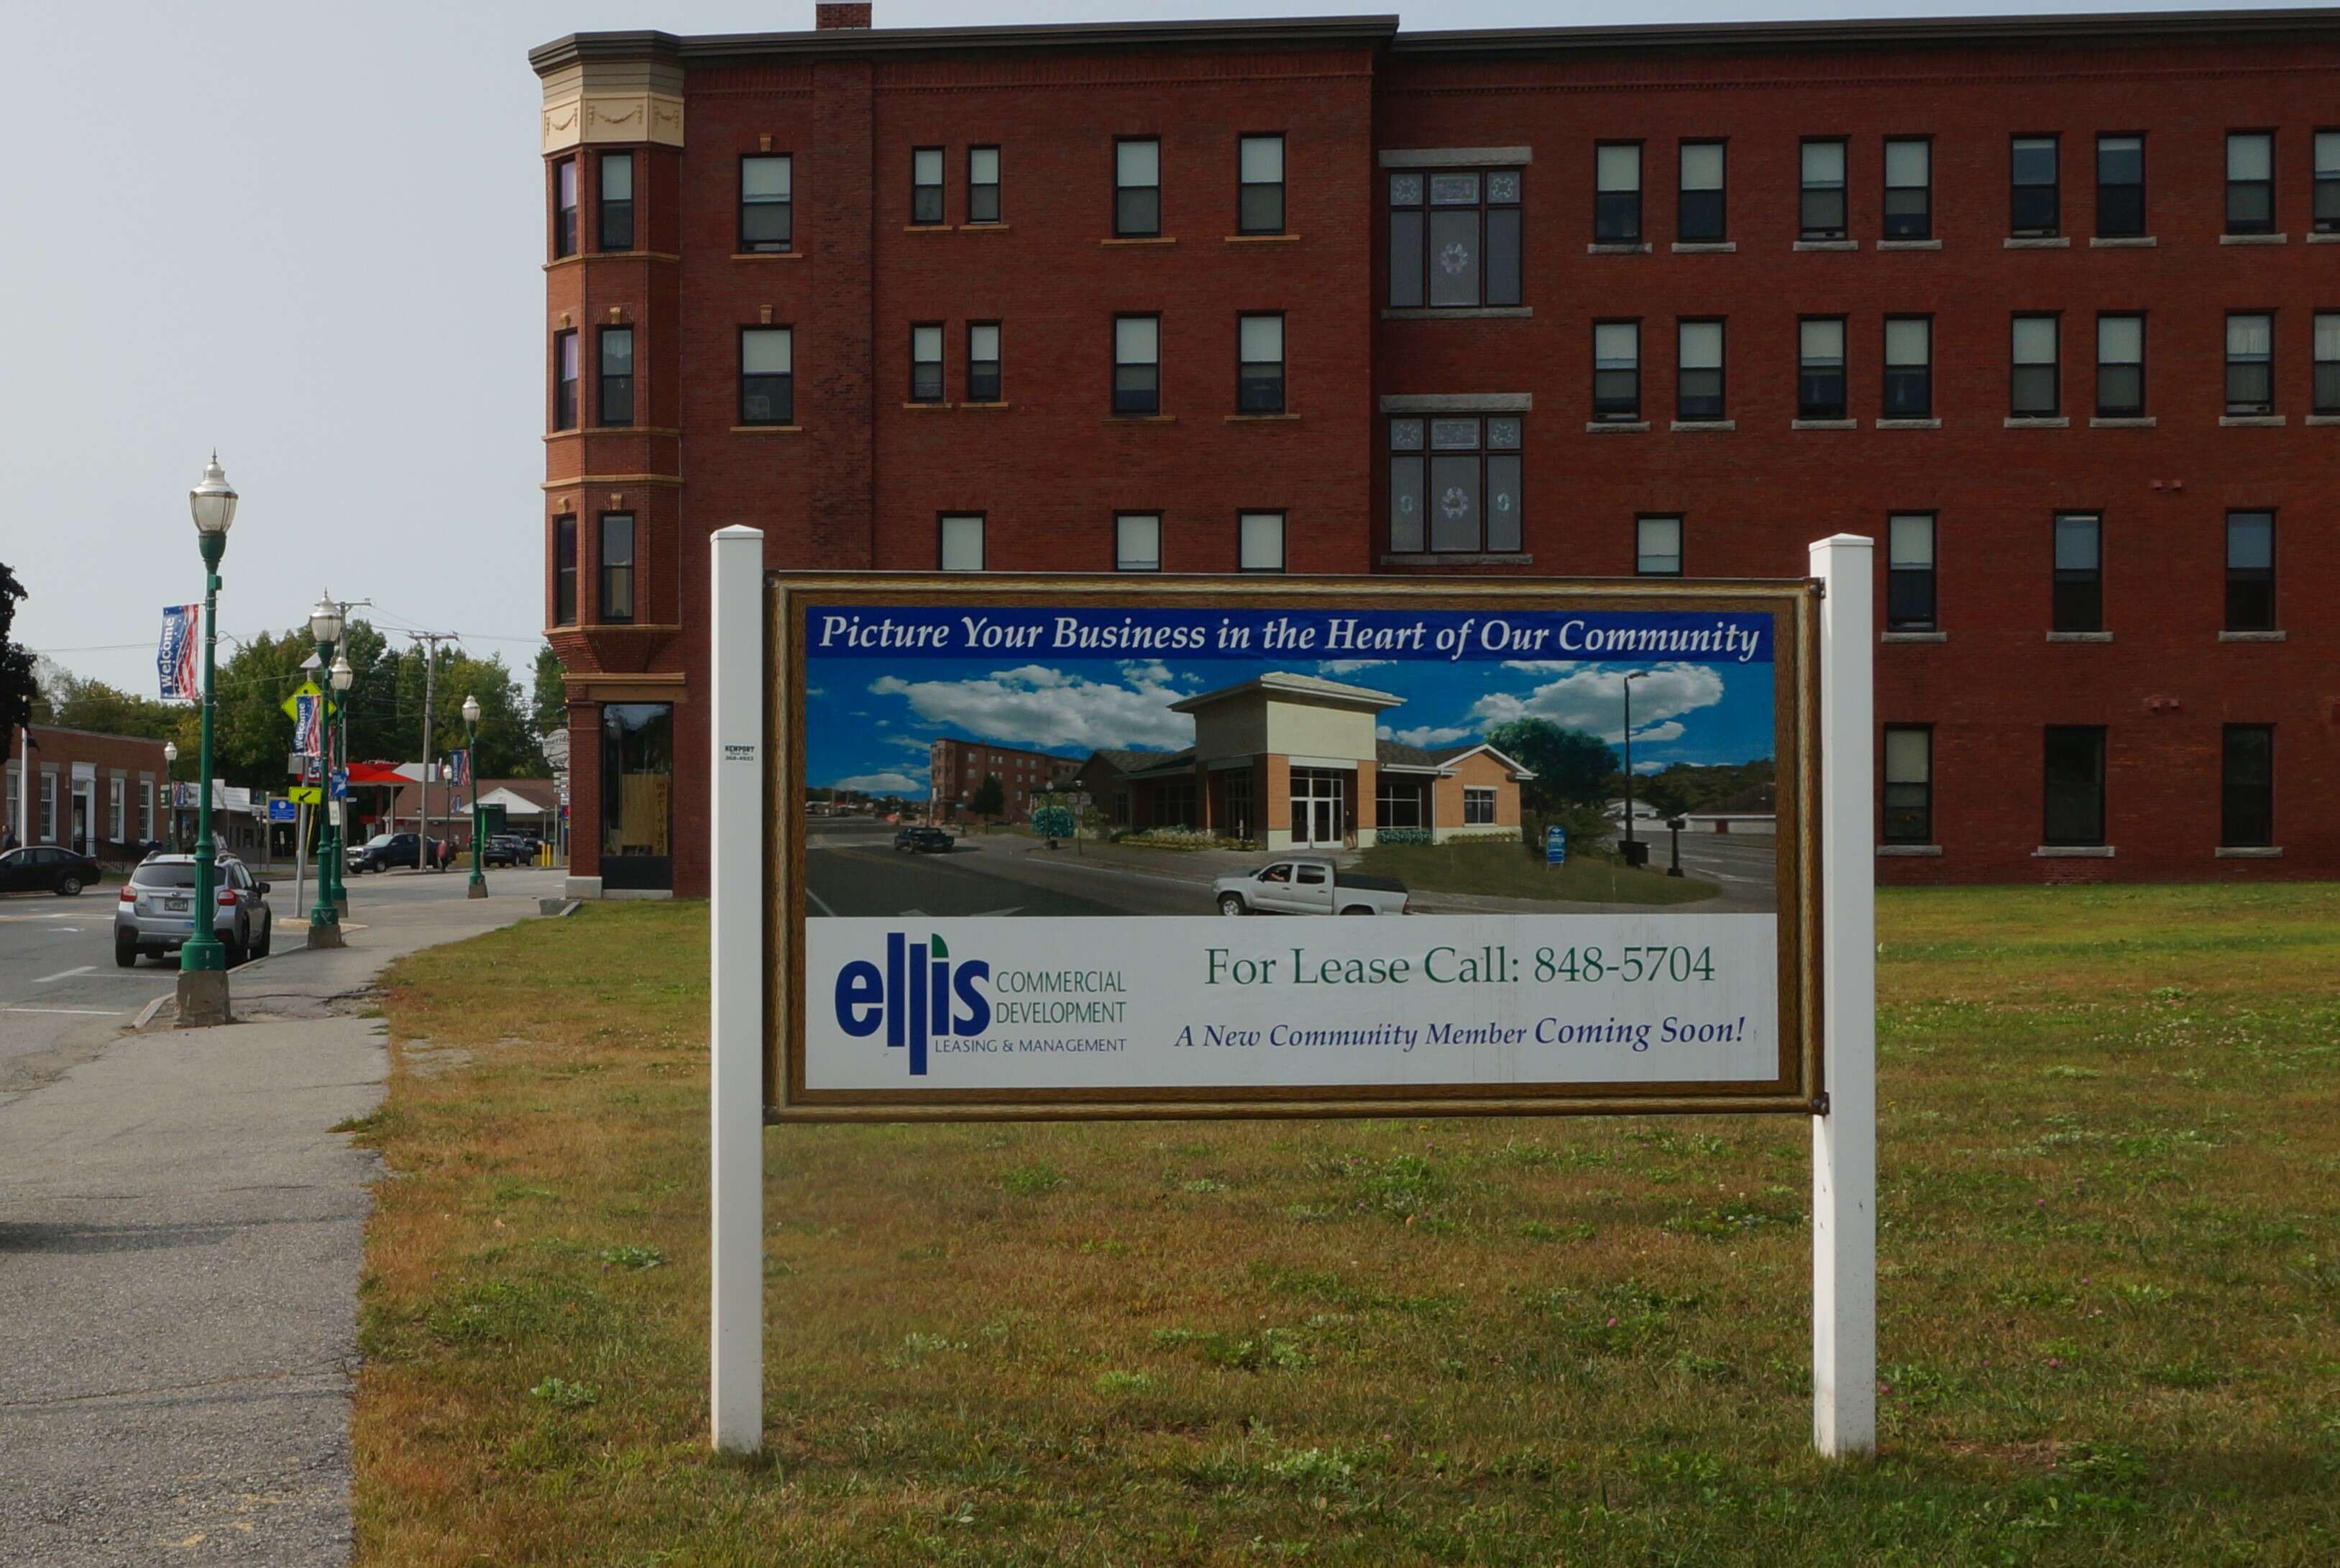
x: 306, y: 794
x: 306, y: 688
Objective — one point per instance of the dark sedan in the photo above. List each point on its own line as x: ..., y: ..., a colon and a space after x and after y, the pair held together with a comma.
x: 47, y: 869
x: 924, y: 841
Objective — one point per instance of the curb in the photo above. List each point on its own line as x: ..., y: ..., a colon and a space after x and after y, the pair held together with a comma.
x: 146, y: 1014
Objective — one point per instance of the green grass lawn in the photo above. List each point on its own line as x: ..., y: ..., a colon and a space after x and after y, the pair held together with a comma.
x: 2109, y: 1255
x: 1508, y: 868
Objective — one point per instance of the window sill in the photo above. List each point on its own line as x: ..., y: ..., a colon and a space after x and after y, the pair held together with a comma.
x: 1908, y: 851
x: 927, y: 228
x: 1140, y: 418
x: 2322, y: 419
x: 1456, y: 312
x: 2255, y: 239
x: 1620, y: 248
x: 983, y: 228
x: 1828, y: 245
x: 2323, y: 239
x: 1261, y: 418
x: 1261, y: 240
x: 1617, y: 427
x: 2079, y: 637
x: 573, y: 432
x: 1824, y: 425
x: 768, y: 430
x: 2123, y: 242
x: 986, y: 405
x: 1704, y: 247
x: 2253, y: 636
x: 2251, y: 420
x: 1136, y: 240
x: 1689, y: 426
x: 925, y: 404
x: 767, y: 255
x: 572, y: 260
x: 2143, y: 421
x: 1908, y: 245
x: 2027, y: 423
x: 2037, y: 243
x: 1908, y: 424
x: 1913, y: 636
x: 2247, y: 852
x: 1457, y: 558
x: 661, y: 627
x: 2073, y: 852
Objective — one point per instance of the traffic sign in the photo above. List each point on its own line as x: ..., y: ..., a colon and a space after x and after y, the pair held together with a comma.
x: 292, y: 705
x: 286, y: 810
x: 305, y: 795
x: 1555, y: 845
x: 340, y: 783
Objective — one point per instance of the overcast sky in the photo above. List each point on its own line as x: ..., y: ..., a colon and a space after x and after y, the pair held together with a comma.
x: 309, y: 235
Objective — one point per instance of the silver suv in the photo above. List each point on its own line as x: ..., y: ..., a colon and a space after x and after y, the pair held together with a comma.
x: 151, y: 916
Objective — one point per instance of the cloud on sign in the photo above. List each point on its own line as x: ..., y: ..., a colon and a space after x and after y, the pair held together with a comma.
x: 882, y: 784
x: 1350, y: 666
x: 1591, y: 697
x: 1426, y: 734
x: 1034, y: 705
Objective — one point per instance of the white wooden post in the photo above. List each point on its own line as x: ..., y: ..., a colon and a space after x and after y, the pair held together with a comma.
x: 735, y: 948
x: 1844, y: 1140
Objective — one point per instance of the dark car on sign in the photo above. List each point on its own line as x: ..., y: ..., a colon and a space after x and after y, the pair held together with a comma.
x: 924, y: 841
x: 383, y: 850
x: 509, y: 849
x: 47, y: 869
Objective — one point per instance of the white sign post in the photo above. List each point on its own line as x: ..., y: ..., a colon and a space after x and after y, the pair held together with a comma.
x: 1844, y: 1135
x: 735, y: 941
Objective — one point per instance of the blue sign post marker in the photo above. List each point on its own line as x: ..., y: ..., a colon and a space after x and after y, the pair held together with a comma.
x: 1555, y: 845
x: 338, y: 786
x: 282, y: 812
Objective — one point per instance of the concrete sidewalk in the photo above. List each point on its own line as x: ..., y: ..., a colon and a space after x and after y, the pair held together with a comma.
x: 179, y: 1239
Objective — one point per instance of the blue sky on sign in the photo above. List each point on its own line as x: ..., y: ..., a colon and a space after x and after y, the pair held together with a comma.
x: 868, y: 727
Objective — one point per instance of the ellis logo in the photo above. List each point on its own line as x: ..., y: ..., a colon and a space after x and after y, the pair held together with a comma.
x: 918, y: 996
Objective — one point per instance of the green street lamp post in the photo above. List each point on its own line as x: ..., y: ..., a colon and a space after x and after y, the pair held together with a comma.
x: 344, y: 678
x: 170, y: 785
x: 202, y: 961
x: 479, y: 887
x: 324, y: 920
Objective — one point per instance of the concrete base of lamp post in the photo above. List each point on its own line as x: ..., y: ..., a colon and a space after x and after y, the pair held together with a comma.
x: 202, y: 999
x: 476, y: 890
x: 326, y: 937
x: 342, y: 905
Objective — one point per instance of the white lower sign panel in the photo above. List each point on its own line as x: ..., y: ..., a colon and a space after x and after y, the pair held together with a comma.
x: 1019, y: 1006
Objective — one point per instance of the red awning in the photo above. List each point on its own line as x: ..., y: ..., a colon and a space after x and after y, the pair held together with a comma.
x: 377, y: 773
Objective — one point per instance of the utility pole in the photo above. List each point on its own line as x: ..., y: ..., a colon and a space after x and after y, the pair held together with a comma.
x: 429, y: 641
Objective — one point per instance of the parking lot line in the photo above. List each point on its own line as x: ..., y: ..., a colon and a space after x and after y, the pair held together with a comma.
x: 65, y: 974
x: 76, y: 1012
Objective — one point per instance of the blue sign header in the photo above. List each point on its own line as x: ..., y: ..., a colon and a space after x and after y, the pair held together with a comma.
x: 894, y: 632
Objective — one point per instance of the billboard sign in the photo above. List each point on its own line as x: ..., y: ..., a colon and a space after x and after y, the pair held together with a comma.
x: 1322, y: 868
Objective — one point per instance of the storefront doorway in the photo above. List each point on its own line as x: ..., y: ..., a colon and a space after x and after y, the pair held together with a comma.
x: 1319, y: 803
x: 638, y: 796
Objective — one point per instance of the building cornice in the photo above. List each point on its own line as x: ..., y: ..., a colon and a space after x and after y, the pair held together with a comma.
x: 2316, y: 23
x: 853, y: 43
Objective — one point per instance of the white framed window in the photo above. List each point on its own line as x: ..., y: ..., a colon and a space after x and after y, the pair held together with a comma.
x: 1698, y: 381
x: 117, y: 806
x: 1704, y: 218
x: 1658, y: 546
x: 1260, y: 542
x: 1616, y: 371
x: 961, y: 541
x: 2034, y: 381
x: 1477, y: 808
x: 926, y: 363
x: 145, y: 811
x: 1137, y: 541
x: 1259, y: 175
x: 1138, y: 365
x: 48, y: 808
x: 1617, y: 193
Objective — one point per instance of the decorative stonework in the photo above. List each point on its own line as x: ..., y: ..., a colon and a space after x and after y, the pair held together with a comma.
x: 612, y: 101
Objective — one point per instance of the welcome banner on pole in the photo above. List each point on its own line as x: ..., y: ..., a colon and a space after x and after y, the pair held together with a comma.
x: 174, y: 656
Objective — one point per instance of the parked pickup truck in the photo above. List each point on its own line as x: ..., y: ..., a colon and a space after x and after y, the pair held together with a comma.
x: 1308, y: 885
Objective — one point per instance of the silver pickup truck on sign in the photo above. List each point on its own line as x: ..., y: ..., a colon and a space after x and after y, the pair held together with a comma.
x: 1308, y: 885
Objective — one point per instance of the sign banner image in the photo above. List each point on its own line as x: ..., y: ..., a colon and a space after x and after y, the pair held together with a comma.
x: 175, y: 655
x: 1335, y: 849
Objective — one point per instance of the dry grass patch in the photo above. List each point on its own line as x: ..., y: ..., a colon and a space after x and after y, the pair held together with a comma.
x: 2111, y: 1243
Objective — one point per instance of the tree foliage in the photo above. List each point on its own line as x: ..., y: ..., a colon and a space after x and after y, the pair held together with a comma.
x: 549, y: 701
x: 16, y: 687
x: 990, y: 797
x: 1571, y: 767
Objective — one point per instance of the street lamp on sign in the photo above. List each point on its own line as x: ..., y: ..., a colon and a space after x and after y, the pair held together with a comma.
x: 479, y: 887
x: 324, y: 916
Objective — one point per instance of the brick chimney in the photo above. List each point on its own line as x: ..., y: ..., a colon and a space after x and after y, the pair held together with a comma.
x: 828, y: 15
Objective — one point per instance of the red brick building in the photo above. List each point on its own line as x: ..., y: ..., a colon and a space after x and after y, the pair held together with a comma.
x: 103, y: 794
x: 2039, y: 303
x: 957, y: 768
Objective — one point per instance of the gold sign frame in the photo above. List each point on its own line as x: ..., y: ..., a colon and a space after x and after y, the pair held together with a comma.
x: 1799, y: 1088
